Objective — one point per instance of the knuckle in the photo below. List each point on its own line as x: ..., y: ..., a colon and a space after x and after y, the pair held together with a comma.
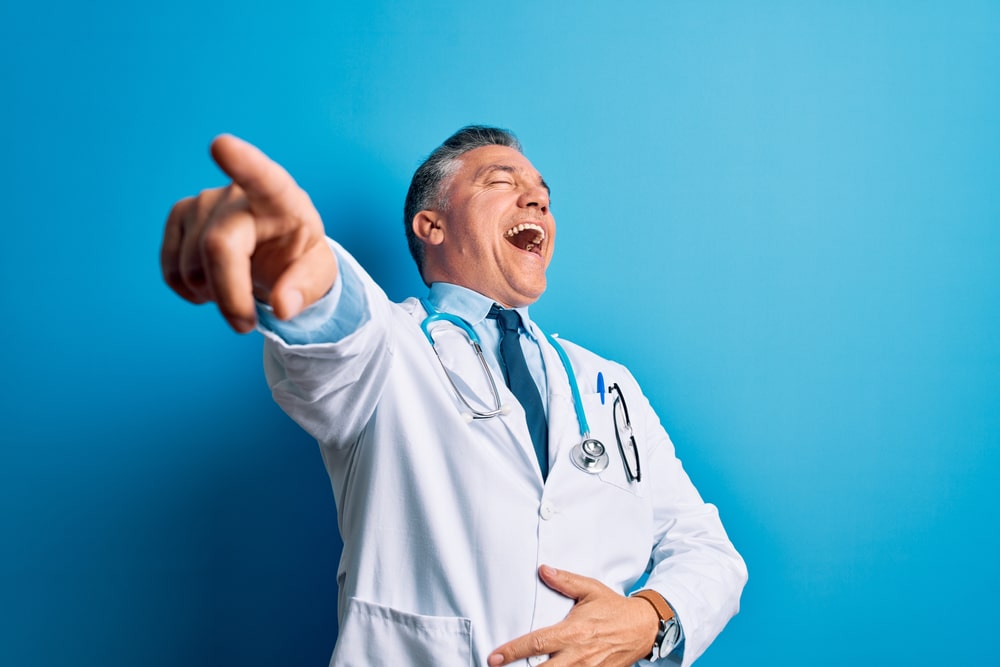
x: 233, y: 193
x: 201, y: 207
x: 209, y: 194
x: 179, y: 208
x: 216, y: 241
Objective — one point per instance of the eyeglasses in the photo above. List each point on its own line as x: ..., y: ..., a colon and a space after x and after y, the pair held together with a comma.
x: 623, y: 433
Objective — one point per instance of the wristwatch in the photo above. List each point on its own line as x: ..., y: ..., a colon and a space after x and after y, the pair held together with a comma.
x: 669, y: 633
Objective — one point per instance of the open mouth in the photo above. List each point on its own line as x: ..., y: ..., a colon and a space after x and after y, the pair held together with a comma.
x: 527, y: 236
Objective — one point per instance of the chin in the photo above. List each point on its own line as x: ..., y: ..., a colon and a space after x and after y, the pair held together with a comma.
x: 529, y: 296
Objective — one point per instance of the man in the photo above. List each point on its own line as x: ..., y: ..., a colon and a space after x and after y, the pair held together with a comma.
x: 484, y: 522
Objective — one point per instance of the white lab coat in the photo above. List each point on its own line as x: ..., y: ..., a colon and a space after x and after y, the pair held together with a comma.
x: 446, y: 521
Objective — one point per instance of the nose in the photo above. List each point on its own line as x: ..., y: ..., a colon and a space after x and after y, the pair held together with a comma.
x: 537, y: 196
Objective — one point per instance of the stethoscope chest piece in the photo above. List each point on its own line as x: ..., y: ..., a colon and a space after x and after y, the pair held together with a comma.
x: 590, y: 456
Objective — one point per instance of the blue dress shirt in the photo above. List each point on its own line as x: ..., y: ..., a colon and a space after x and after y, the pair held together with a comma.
x: 344, y: 309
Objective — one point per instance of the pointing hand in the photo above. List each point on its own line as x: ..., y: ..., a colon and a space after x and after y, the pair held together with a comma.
x: 260, y: 236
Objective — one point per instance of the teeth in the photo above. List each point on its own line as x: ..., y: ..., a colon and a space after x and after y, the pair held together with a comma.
x: 539, y: 232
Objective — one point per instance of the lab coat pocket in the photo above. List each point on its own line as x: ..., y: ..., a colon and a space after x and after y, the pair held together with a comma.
x: 600, y: 417
x: 372, y: 635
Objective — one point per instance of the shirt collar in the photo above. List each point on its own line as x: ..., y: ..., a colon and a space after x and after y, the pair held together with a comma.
x: 470, y: 305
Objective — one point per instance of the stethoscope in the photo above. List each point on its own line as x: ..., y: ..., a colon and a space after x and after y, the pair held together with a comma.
x: 589, y: 455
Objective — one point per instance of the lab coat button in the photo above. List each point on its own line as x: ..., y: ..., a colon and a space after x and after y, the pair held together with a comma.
x: 546, y: 511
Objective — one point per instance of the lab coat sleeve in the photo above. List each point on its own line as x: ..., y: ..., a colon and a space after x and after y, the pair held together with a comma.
x: 694, y: 566
x: 331, y: 388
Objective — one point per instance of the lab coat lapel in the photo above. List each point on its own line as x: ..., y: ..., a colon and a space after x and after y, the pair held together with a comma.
x: 516, y: 424
x: 457, y: 355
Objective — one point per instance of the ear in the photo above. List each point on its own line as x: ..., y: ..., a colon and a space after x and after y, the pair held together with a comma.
x: 428, y: 227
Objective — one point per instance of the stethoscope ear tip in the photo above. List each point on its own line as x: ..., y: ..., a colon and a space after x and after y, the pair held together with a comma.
x: 467, y: 417
x: 505, y: 410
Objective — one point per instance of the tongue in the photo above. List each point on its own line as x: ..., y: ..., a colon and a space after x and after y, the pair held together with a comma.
x: 523, y: 239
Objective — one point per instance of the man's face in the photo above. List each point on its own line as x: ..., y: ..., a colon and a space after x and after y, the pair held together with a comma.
x: 497, y: 232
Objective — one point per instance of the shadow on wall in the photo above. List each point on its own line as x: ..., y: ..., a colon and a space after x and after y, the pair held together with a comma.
x: 249, y: 541
x: 258, y: 536
x: 195, y: 536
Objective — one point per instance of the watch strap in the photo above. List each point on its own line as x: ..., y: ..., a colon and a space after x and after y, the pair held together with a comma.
x: 663, y: 610
x: 668, y: 630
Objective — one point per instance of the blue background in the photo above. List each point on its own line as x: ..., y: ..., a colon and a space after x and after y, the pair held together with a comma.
x: 783, y: 216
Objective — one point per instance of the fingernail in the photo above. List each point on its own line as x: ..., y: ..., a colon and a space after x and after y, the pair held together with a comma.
x: 549, y: 571
x: 495, y: 659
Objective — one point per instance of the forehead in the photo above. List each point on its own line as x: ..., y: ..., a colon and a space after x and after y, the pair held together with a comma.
x: 480, y: 162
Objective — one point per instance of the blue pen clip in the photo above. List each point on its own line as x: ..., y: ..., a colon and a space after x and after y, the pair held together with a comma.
x: 600, y: 385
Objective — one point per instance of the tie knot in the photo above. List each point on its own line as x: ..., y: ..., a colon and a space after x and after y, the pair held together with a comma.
x: 509, y: 319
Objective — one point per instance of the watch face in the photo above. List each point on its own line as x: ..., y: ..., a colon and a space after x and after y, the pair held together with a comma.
x: 666, y: 639
x: 674, y: 632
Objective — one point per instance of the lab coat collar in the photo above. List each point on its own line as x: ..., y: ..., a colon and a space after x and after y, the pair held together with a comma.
x: 470, y: 305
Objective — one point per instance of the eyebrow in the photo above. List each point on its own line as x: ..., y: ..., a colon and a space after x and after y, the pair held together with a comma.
x: 483, y: 171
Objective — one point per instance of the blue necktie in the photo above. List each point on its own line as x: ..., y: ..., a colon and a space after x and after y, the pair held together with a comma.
x: 522, y: 385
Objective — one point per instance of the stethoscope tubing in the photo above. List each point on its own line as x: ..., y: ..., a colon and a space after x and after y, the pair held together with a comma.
x: 432, y: 318
x: 589, y: 455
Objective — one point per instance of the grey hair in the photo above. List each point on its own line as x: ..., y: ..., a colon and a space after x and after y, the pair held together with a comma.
x: 427, y: 186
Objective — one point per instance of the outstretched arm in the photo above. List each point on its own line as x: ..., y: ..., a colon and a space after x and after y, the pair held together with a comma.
x: 260, y: 236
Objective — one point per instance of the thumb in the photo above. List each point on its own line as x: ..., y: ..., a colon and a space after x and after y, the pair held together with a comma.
x: 572, y: 585
x: 266, y: 183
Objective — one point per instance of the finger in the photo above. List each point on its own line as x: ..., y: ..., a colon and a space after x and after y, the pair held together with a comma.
x: 570, y: 584
x: 226, y: 249
x: 193, y: 223
x: 170, y: 250
x: 265, y: 182
x: 540, y: 642
x: 304, y: 282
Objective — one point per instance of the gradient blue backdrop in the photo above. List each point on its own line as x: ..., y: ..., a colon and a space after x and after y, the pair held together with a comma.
x: 784, y: 216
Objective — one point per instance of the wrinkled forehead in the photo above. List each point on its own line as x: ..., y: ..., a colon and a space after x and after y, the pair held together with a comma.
x: 480, y: 163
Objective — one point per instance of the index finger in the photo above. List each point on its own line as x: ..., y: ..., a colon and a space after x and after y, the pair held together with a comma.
x: 543, y: 641
x: 264, y: 181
